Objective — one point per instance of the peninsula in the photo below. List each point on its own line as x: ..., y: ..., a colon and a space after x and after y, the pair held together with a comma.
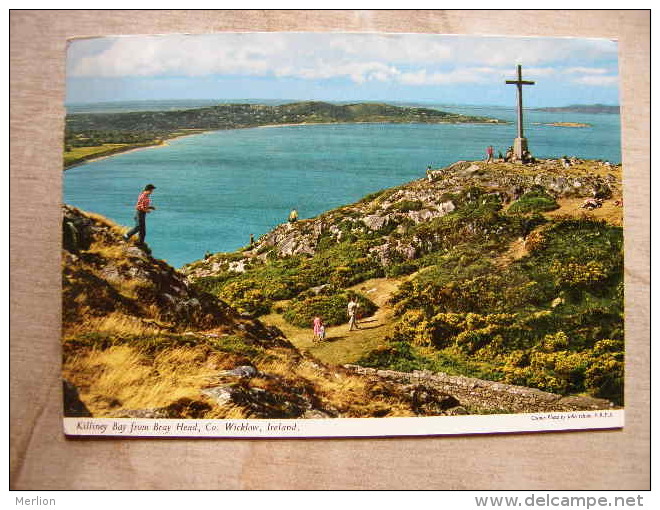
x: 582, y: 108
x: 92, y: 135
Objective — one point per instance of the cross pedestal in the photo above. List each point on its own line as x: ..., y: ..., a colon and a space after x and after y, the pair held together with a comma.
x: 519, y: 148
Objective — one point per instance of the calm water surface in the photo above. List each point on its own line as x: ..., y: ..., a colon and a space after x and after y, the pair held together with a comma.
x: 215, y: 189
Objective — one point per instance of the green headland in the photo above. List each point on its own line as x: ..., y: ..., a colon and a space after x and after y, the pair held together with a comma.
x: 93, y: 135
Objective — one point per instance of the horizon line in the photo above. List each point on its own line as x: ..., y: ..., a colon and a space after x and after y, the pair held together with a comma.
x: 250, y: 100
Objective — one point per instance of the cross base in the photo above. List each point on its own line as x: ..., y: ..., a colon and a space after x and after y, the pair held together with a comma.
x: 519, y: 148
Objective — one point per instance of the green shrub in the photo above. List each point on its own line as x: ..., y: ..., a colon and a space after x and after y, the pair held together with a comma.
x: 605, y: 377
x: 211, y: 284
x: 331, y: 308
x: 400, y: 269
x: 534, y: 201
x: 399, y: 356
x: 247, y: 297
x: 406, y: 205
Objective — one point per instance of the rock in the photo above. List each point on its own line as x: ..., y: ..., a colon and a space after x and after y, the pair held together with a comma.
x: 318, y: 289
x: 246, y: 371
x: 316, y: 414
x: 220, y: 394
x: 375, y: 222
x: 181, y: 408
x: 447, y: 207
x: 77, y: 230
x: 583, y: 402
x: 73, y: 406
x: 427, y: 400
x: 237, y: 266
x: 557, y: 302
x: 457, y: 411
x: 160, y: 414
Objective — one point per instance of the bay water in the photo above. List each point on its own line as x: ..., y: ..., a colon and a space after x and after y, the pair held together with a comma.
x: 215, y: 189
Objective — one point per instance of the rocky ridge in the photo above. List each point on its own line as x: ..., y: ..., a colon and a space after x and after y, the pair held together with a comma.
x: 103, y: 274
x: 392, y: 213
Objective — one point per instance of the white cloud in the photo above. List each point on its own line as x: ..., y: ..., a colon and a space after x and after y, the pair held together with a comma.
x: 463, y: 75
x: 411, y: 59
x: 586, y: 70
x: 181, y: 55
x: 358, y: 72
x: 398, y: 48
x: 531, y: 51
x: 599, y: 81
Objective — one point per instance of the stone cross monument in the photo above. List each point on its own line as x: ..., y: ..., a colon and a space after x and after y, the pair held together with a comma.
x: 520, y: 143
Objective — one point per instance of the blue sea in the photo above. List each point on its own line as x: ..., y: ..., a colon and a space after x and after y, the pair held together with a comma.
x: 215, y: 189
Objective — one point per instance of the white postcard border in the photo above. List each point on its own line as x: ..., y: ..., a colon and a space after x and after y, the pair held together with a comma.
x: 347, y: 427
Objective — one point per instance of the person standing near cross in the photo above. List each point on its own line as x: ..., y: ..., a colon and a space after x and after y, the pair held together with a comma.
x: 520, y: 143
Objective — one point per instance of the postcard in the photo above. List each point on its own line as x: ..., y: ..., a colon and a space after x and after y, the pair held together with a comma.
x: 341, y: 235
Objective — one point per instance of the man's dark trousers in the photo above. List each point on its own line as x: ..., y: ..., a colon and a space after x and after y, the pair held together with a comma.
x: 140, y: 226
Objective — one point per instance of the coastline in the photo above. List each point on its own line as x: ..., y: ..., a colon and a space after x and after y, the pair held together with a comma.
x: 130, y: 148
x: 163, y: 143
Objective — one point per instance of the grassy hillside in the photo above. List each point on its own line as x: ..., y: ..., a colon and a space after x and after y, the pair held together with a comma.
x: 497, y: 272
x: 139, y: 341
x: 490, y: 271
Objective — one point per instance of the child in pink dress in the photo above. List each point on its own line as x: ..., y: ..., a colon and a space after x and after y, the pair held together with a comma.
x: 319, y: 329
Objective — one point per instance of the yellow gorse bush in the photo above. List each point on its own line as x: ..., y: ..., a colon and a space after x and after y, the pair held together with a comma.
x: 575, y: 273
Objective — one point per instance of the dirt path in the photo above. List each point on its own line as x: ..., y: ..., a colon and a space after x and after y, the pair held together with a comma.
x: 568, y: 207
x: 609, y: 212
x: 341, y: 345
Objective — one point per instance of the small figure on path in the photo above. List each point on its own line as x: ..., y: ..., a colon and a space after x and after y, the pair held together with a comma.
x: 293, y: 216
x: 352, y: 314
x: 489, y: 153
x: 429, y: 173
x: 251, y: 241
x: 319, y: 330
x: 142, y: 207
x: 566, y: 163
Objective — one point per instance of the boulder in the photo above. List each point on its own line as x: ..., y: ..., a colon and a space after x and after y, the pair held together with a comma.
x: 73, y: 406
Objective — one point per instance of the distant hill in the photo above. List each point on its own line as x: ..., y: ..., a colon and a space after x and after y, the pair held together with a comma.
x: 582, y: 108
x: 91, y: 135
x: 230, y: 116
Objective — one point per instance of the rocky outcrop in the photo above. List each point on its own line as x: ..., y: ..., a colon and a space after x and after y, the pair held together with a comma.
x: 391, y: 214
x: 292, y: 399
x: 73, y: 406
x: 104, y: 274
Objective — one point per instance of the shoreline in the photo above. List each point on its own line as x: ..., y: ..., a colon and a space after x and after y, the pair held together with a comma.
x: 129, y: 148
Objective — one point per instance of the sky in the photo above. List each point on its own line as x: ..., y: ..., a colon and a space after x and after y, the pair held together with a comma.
x: 342, y: 67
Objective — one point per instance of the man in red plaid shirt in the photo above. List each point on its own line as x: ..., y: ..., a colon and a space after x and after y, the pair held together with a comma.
x: 142, y: 207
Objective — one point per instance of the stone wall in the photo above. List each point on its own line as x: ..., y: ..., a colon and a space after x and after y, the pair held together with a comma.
x: 478, y: 395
